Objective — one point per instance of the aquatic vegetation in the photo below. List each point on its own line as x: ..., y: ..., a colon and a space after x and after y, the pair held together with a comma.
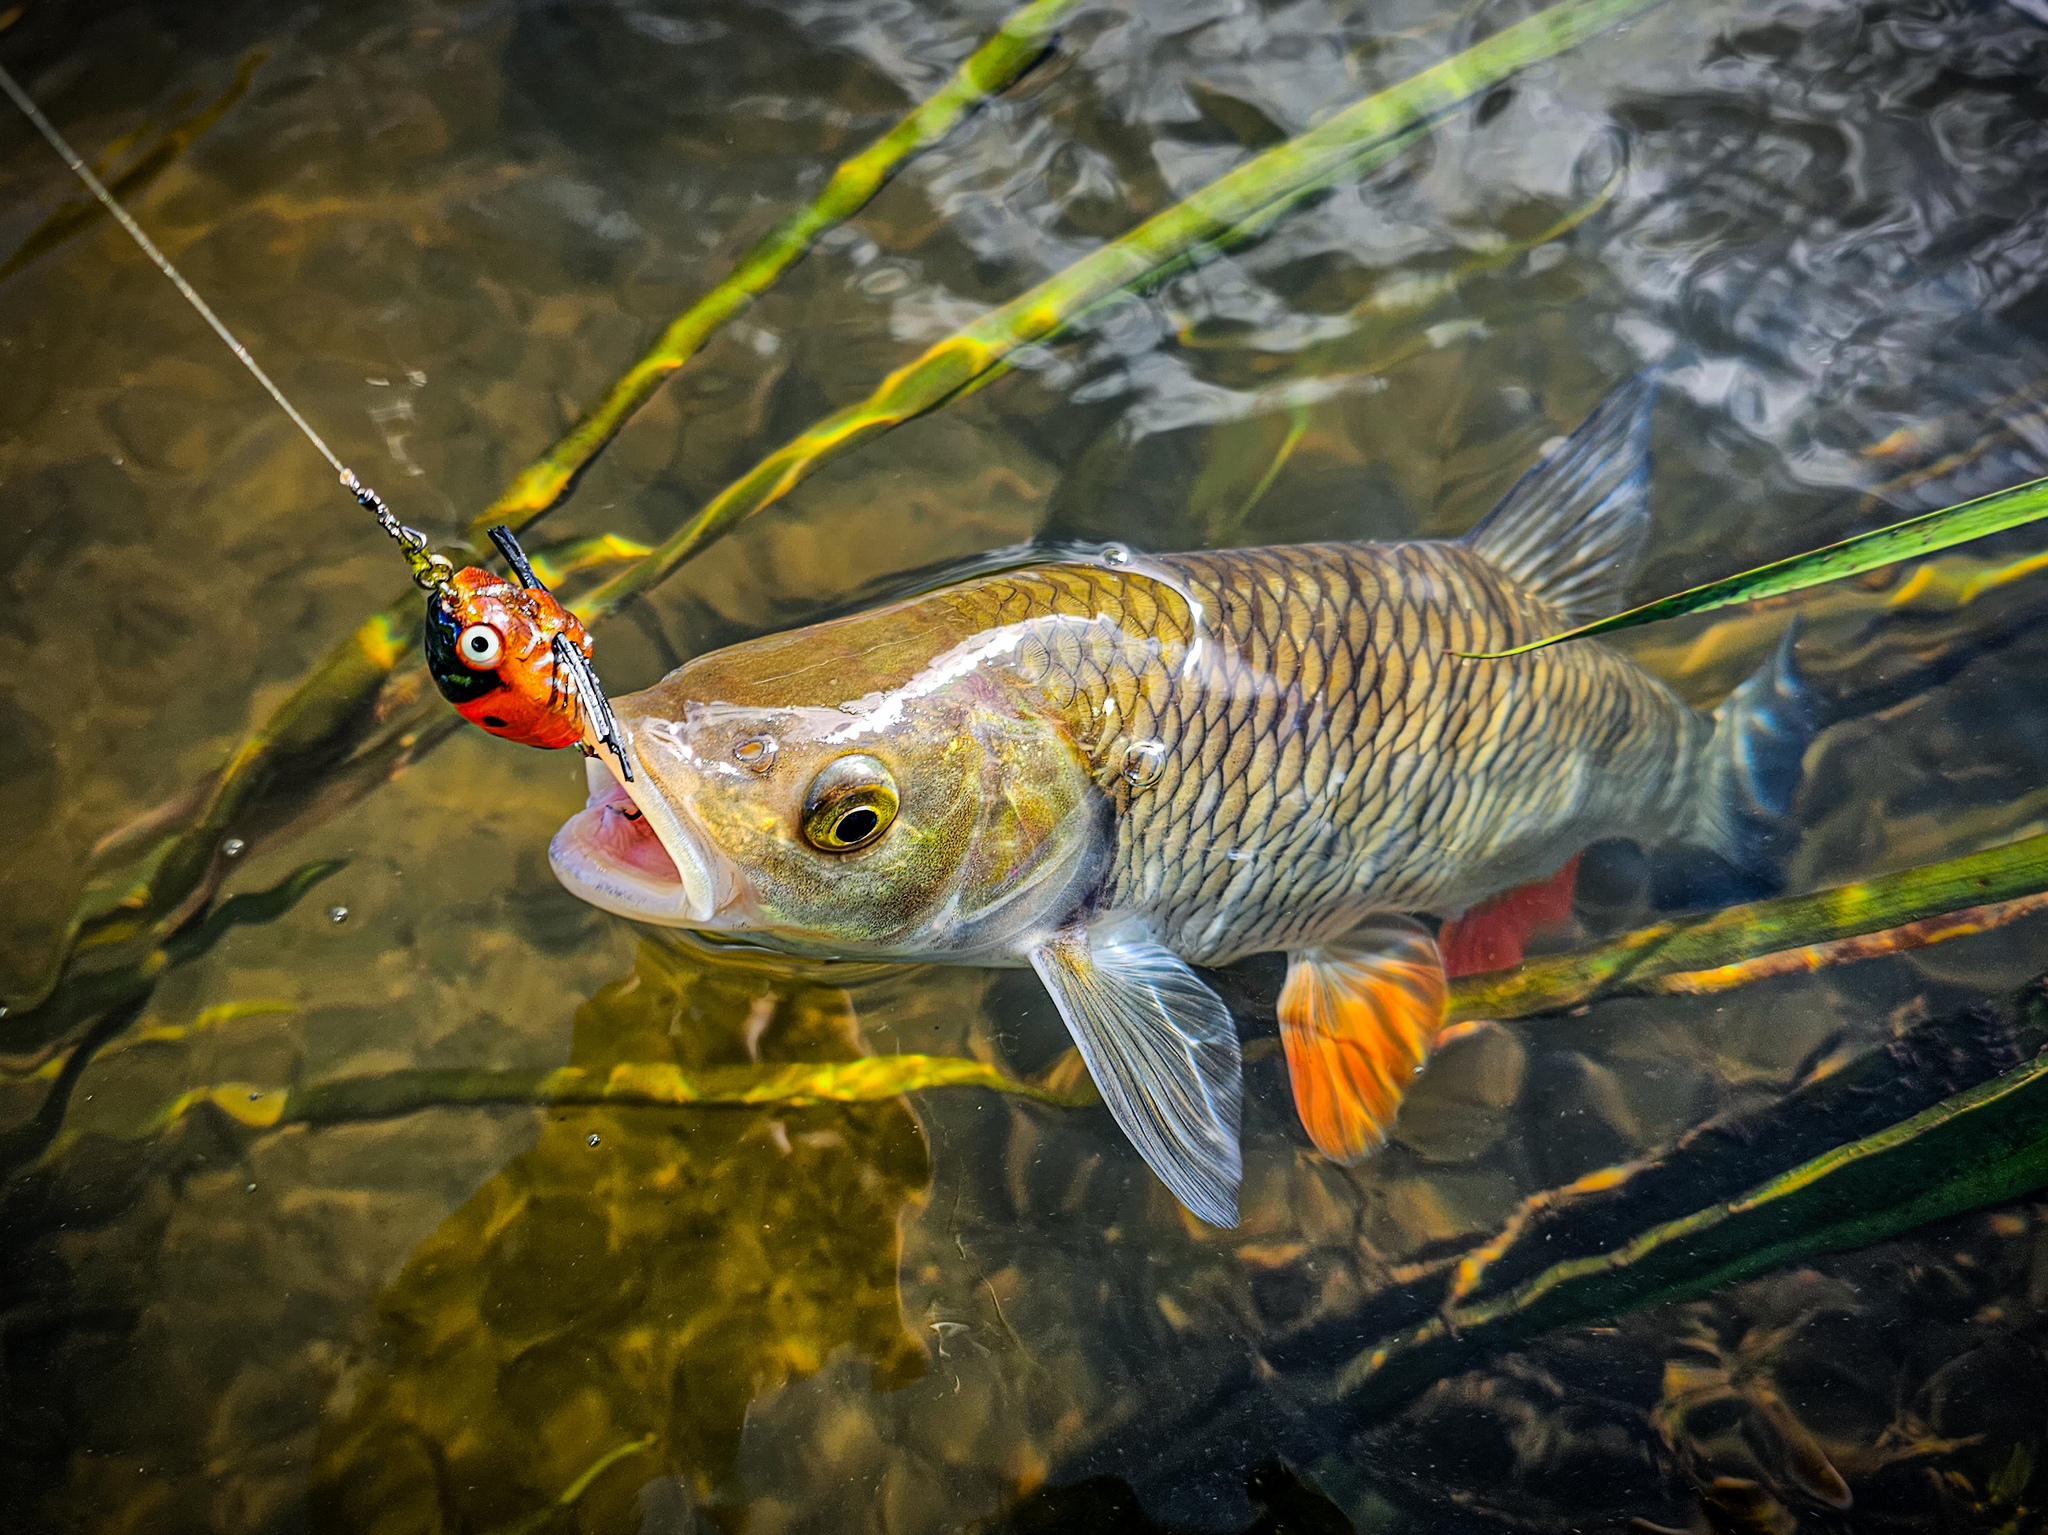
x: 1020, y: 43
x: 1980, y: 1148
x: 1925, y: 534
x: 1738, y: 946
x: 1947, y: 1117
x: 93, y: 1015
x: 1741, y: 944
x: 1235, y: 206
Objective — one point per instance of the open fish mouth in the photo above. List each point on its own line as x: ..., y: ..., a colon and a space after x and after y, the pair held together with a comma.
x: 629, y: 853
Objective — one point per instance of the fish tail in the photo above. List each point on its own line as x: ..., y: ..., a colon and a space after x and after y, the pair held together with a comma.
x: 1751, y: 770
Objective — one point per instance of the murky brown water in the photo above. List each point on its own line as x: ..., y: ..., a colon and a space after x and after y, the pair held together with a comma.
x: 445, y: 228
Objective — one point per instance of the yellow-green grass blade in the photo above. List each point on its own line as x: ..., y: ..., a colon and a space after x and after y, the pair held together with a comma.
x: 1932, y: 531
x: 991, y: 69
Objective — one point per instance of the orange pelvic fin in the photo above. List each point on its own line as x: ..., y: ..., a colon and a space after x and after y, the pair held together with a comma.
x: 1492, y: 935
x: 1358, y: 1018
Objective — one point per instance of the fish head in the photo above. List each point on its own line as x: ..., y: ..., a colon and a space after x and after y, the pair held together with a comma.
x: 864, y: 787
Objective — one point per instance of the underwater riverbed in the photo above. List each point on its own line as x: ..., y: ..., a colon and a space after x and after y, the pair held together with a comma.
x: 445, y: 228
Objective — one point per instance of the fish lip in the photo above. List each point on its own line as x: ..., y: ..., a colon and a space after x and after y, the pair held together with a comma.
x: 706, y: 886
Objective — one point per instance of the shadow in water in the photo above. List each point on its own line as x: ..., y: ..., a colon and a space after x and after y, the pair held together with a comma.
x: 634, y: 1280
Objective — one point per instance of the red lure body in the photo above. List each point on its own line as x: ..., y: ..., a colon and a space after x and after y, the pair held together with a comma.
x: 492, y: 654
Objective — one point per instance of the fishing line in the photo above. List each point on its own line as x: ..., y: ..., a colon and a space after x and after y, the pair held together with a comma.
x: 572, y: 674
x: 431, y: 571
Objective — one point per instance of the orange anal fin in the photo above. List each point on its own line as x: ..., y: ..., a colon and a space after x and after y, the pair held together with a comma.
x: 1358, y: 1018
x: 1492, y: 935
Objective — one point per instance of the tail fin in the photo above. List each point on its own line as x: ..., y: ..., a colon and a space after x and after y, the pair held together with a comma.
x: 1752, y: 767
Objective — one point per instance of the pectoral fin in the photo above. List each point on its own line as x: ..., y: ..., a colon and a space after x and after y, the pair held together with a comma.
x: 1163, y: 1052
x: 1358, y: 1018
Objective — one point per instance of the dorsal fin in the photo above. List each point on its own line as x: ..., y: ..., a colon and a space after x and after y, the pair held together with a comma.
x: 1574, y: 526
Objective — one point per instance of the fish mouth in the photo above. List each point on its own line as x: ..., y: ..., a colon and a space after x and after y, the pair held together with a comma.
x: 629, y: 853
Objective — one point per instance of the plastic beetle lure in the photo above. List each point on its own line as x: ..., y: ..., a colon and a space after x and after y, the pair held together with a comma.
x: 515, y: 662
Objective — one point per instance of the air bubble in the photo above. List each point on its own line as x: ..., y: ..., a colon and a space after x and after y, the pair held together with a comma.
x: 234, y: 847
x: 337, y: 915
x: 593, y: 1138
x: 1116, y: 554
x: 1144, y: 761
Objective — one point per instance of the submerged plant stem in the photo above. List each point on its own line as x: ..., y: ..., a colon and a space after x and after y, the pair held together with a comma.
x: 652, y: 1085
x: 991, y: 69
x: 1894, y: 912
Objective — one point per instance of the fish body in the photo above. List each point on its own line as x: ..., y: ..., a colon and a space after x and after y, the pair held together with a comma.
x: 1114, y: 767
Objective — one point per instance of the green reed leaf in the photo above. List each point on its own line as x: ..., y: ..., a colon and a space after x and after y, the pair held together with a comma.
x: 1980, y: 1147
x: 991, y: 69
x: 2009, y: 508
x: 1721, y: 949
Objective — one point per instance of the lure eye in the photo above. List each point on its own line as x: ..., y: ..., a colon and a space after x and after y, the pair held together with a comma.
x: 481, y: 647
x: 851, y: 802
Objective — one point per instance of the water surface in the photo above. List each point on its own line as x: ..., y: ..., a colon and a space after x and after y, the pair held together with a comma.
x: 445, y: 227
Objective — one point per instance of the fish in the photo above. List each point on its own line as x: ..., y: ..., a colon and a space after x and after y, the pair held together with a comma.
x: 1114, y: 768
x: 515, y: 662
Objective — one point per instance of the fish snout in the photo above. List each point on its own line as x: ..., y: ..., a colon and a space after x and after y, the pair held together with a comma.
x: 634, y: 849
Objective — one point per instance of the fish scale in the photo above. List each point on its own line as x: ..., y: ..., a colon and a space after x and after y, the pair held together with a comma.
x: 1268, y: 676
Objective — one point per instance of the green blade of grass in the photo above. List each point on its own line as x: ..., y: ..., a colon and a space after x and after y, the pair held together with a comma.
x: 991, y: 69
x: 2003, y: 509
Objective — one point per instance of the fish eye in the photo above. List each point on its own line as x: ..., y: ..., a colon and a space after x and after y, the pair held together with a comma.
x: 481, y: 646
x: 851, y: 802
